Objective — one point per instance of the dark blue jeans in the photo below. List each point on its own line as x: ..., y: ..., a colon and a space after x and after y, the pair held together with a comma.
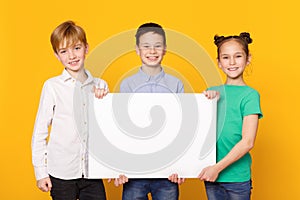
x: 160, y: 189
x: 82, y: 189
x: 228, y: 191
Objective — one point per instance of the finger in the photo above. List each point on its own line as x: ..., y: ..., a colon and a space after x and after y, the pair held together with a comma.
x: 171, y: 177
x: 116, y: 182
x: 101, y: 93
x: 200, y: 175
x: 96, y: 91
x: 105, y: 92
x: 43, y: 188
x: 49, y: 184
x: 180, y: 181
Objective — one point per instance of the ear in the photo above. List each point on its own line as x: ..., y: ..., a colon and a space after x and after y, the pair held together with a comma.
x: 165, y: 50
x: 87, y: 48
x: 137, y: 50
x: 219, y: 64
x: 249, y: 59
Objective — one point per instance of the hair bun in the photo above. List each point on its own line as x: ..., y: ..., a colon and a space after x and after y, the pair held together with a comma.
x: 246, y: 36
x: 218, y: 39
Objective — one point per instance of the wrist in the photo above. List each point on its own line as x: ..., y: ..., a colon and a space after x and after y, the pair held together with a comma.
x: 218, y: 167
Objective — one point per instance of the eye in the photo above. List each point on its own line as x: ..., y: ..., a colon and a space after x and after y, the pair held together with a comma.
x: 77, y: 47
x: 159, y: 47
x: 224, y: 57
x: 62, y: 51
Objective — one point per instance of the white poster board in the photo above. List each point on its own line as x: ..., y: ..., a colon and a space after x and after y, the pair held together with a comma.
x: 151, y: 135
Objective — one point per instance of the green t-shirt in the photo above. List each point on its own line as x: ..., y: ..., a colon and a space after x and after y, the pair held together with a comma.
x: 234, y: 104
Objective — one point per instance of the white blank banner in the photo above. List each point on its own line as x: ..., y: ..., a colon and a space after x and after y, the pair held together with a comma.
x: 151, y: 135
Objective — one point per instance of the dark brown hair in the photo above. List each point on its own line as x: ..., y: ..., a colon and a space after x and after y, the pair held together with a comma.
x: 244, y: 39
x: 150, y: 27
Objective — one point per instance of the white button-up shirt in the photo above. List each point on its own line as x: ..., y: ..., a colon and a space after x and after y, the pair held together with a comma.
x: 62, y: 116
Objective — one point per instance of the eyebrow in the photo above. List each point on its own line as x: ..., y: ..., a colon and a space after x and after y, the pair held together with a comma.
x: 150, y: 44
x: 64, y: 48
x: 239, y: 52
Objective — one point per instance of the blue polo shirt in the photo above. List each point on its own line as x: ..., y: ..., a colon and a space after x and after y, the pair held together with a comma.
x: 144, y: 83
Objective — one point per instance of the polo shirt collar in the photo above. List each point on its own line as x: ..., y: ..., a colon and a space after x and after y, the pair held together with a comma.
x: 155, y: 78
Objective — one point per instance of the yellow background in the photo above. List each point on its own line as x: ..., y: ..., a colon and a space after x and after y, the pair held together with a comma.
x: 27, y: 61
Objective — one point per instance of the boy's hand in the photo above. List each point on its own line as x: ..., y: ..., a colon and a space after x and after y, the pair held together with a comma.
x: 100, y: 89
x: 119, y: 181
x: 44, y: 184
x: 210, y: 94
x: 100, y: 92
x: 174, y: 178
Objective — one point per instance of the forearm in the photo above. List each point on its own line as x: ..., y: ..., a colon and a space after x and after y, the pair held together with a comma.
x: 249, y: 131
x: 39, y: 155
x: 238, y: 151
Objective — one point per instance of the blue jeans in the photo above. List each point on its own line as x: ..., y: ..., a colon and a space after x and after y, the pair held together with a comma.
x: 82, y: 189
x: 228, y: 191
x: 160, y: 189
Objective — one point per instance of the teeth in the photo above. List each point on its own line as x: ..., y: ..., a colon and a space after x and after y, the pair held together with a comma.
x: 152, y: 57
x: 74, y: 62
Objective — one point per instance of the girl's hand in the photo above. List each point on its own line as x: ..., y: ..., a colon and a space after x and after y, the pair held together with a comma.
x: 209, y: 173
x: 210, y: 94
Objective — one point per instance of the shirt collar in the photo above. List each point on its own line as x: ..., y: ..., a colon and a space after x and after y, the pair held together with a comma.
x: 67, y: 77
x: 155, y: 78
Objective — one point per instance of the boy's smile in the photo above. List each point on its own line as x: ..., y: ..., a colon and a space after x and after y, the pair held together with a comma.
x: 151, y: 49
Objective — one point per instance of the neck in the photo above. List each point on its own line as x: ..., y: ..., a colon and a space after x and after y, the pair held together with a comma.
x: 152, y: 71
x: 79, y: 75
x: 235, y: 81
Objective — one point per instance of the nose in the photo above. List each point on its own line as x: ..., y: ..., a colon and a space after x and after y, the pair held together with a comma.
x: 152, y: 49
x: 72, y: 54
x: 232, y: 61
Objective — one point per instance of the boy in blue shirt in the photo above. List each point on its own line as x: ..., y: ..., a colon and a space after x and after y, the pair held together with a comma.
x: 151, y: 78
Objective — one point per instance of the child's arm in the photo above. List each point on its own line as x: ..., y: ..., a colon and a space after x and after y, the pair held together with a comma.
x: 40, y: 133
x: 249, y: 130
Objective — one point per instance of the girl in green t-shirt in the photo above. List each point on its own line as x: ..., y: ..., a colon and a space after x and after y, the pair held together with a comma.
x: 238, y: 115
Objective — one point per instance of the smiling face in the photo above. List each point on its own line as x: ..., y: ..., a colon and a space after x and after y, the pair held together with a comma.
x: 233, y: 61
x: 72, y: 56
x: 151, y: 49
